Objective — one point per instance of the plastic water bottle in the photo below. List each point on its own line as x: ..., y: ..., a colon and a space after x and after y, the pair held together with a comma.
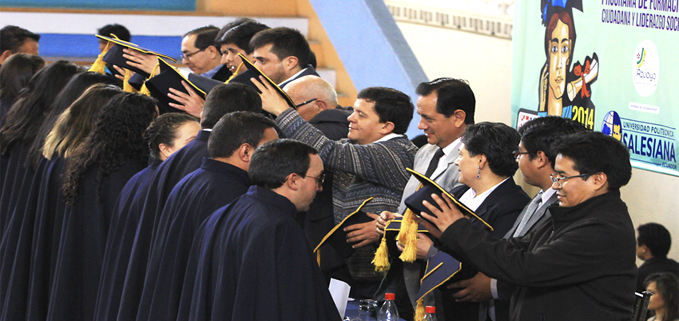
x: 430, y: 314
x: 388, y: 311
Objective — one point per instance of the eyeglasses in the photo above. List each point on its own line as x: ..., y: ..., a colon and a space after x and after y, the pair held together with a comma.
x: 306, y: 102
x: 558, y: 179
x: 320, y: 179
x: 188, y: 56
x: 518, y: 153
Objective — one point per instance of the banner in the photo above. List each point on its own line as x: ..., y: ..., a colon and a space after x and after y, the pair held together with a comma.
x: 610, y: 65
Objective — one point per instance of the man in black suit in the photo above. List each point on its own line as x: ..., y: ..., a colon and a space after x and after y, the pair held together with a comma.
x: 282, y: 54
x: 536, y: 162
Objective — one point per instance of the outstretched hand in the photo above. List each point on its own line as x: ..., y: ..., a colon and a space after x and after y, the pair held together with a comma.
x: 447, y: 215
x: 272, y: 101
x: 363, y: 233
x: 191, y: 103
x: 145, y: 62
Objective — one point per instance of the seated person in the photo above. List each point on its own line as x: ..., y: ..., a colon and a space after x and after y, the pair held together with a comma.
x: 581, y: 267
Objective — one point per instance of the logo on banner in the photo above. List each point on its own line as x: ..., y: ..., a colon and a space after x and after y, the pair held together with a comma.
x: 612, y: 126
x: 645, y: 68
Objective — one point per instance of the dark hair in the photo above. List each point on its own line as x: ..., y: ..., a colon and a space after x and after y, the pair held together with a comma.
x: 13, y: 37
x: 666, y: 285
x: 28, y: 112
x: 115, y: 139
x: 594, y: 152
x: 286, y: 42
x: 240, y: 32
x: 205, y: 37
x: 119, y: 30
x: 390, y: 105
x: 272, y: 162
x: 164, y: 130
x: 656, y: 237
x: 15, y: 74
x: 496, y: 141
x: 71, y: 92
x: 540, y: 133
x: 453, y: 94
x: 76, y: 122
x: 224, y: 99
x: 566, y: 18
x: 236, y: 129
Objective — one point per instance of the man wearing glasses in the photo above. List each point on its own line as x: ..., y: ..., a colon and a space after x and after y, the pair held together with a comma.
x: 536, y: 161
x: 579, y: 267
x: 372, y: 161
x: 200, y: 54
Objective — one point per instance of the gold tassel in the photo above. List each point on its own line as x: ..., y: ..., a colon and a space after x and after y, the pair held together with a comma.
x: 381, y: 260
x: 235, y: 73
x: 144, y: 90
x: 407, y: 236
x: 318, y: 257
x: 99, y: 65
x: 126, y: 82
x: 419, y: 310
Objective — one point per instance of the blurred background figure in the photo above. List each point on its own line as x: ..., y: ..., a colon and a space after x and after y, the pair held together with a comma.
x: 653, y: 244
x: 665, y: 299
x: 17, y: 40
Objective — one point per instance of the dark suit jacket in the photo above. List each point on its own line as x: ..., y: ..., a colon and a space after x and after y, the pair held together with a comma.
x: 500, y: 209
x: 307, y: 72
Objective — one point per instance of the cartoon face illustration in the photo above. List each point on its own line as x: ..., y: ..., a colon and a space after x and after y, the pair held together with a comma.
x: 559, y: 59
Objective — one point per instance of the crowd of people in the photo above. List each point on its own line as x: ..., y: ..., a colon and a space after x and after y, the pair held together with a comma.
x: 117, y: 204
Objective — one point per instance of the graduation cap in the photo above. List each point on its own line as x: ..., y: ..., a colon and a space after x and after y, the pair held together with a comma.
x: 204, y: 83
x: 114, y: 54
x: 441, y: 268
x: 550, y: 7
x: 169, y: 77
x: 429, y: 187
x: 337, y: 237
x: 254, y: 72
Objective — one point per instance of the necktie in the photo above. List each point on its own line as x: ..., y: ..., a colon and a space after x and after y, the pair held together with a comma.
x: 434, y: 162
x: 532, y: 207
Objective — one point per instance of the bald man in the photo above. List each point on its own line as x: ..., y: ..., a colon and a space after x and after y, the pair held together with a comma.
x: 316, y: 102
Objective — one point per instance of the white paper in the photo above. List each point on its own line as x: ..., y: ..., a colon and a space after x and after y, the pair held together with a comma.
x: 340, y: 294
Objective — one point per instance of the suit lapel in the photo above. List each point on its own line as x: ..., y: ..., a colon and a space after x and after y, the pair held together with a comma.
x: 542, y: 211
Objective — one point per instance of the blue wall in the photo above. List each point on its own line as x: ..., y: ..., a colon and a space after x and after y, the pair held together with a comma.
x: 371, y: 47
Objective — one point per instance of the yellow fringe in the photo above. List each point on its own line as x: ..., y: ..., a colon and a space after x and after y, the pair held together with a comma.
x: 381, y: 260
x: 126, y: 82
x: 234, y: 74
x: 99, y: 65
x: 407, y: 236
x: 419, y: 310
x: 318, y: 257
x: 144, y: 90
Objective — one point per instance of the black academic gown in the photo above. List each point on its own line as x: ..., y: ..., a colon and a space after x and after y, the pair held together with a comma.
x: 168, y: 174
x: 44, y: 245
x: 198, y: 195
x: 15, y: 247
x: 251, y: 261
x: 82, y: 242
x: 15, y: 175
x: 500, y: 209
x: 119, y: 243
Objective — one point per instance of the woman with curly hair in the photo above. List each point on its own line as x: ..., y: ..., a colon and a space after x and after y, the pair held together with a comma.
x: 93, y: 177
x: 26, y: 248
x: 21, y: 126
x: 166, y: 135
x: 665, y: 299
